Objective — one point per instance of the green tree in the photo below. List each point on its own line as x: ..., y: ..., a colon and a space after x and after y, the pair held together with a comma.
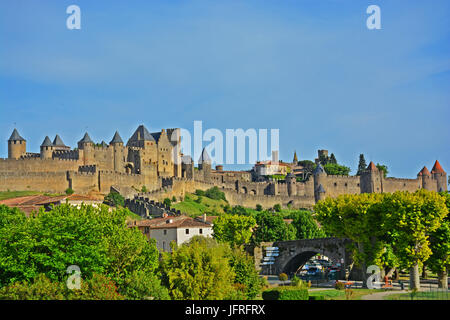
x: 40, y: 288
x: 306, y: 226
x: 233, y: 229
x: 95, y: 239
x: 383, y: 168
x: 408, y: 220
x: 259, y: 207
x: 362, y: 165
x: 215, y: 194
x: 144, y: 189
x: 198, y: 270
x: 167, y: 202
x: 246, y: 274
x: 114, y: 199
x: 336, y: 169
x: 308, y: 165
x: 140, y: 285
x: 272, y: 227
x: 355, y: 217
x: 277, y: 207
x: 69, y: 191
x: 439, y: 260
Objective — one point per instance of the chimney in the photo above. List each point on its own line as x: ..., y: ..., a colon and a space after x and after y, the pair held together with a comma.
x: 204, y: 218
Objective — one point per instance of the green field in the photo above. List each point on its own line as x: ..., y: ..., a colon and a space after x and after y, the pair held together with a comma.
x: 425, y: 295
x: 15, y: 194
x: 333, y: 294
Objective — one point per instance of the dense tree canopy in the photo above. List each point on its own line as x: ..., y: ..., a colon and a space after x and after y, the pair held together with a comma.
x: 95, y: 239
x: 234, y: 229
x: 306, y: 226
x: 386, y: 228
x: 198, y: 270
x: 336, y: 169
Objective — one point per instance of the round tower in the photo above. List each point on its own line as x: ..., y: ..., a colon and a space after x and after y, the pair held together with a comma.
x: 204, y: 165
x: 117, y: 144
x: 46, y: 149
x: 320, y: 177
x: 424, y: 177
x: 440, y: 176
x: 86, y: 146
x: 321, y: 193
x: 291, y: 183
x: 17, y: 146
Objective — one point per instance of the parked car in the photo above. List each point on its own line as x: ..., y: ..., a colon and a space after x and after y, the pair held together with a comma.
x: 312, y: 271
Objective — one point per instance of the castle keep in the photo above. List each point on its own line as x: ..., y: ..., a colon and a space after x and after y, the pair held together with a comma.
x: 153, y: 160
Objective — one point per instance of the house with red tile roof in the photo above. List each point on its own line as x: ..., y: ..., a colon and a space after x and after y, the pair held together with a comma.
x: 178, y: 229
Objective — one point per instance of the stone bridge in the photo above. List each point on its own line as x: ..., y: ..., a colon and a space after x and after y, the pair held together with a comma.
x: 292, y: 255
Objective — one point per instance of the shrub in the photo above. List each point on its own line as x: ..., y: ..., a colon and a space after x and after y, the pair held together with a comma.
x: 297, y: 282
x: 199, y: 192
x: 198, y: 200
x: 174, y: 199
x: 144, y: 189
x: 114, y: 199
x: 215, y: 194
x: 69, y: 191
x: 283, y: 277
x: 140, y: 285
x: 259, y: 207
x: 277, y: 207
x: 339, y: 285
x: 41, y: 288
x: 286, y: 294
x: 167, y: 202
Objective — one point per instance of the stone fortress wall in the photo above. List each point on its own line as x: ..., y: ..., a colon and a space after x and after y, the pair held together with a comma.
x: 148, y: 160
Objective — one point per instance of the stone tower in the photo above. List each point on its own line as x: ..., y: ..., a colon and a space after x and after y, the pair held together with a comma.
x: 321, y: 193
x: 425, y: 176
x: 58, y: 144
x: 86, y: 146
x: 187, y: 167
x: 320, y: 177
x: 291, y: 183
x: 17, y: 146
x: 371, y: 180
x: 118, y: 154
x: 295, y: 160
x: 440, y: 176
x: 204, y: 165
x: 46, y: 149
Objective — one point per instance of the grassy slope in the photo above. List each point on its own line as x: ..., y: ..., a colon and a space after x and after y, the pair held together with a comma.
x: 194, y: 209
x: 211, y: 207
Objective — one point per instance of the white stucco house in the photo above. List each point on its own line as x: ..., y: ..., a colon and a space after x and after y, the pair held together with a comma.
x: 179, y: 229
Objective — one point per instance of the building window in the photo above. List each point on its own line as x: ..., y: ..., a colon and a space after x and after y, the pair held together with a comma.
x: 187, y: 231
x: 200, y: 231
x: 165, y: 232
x: 164, y: 245
x: 146, y: 230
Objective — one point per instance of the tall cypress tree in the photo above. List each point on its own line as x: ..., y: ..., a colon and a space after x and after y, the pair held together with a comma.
x: 362, y: 164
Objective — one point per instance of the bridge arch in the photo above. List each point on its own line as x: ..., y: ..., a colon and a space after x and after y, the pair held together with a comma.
x: 294, y: 254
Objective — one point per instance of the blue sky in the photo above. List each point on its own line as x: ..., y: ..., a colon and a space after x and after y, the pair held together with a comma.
x: 309, y: 68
